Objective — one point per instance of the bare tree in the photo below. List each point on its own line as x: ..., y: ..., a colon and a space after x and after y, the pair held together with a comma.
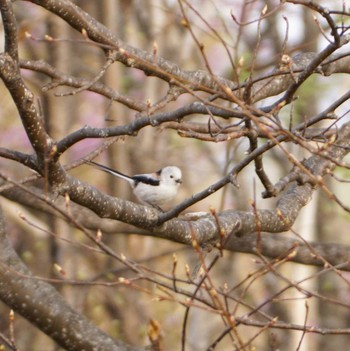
x: 245, y: 99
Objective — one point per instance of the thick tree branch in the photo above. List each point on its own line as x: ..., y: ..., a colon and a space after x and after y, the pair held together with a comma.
x: 271, y: 245
x: 301, y: 67
x: 171, y: 73
x: 274, y: 246
x: 43, y: 306
x: 128, y: 55
x: 22, y: 96
x: 10, y: 27
x: 232, y: 222
x: 24, y: 100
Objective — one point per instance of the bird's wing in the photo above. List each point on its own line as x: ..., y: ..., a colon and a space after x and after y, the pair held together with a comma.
x: 145, y: 179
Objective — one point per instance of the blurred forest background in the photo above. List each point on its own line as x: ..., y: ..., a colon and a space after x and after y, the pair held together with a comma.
x: 232, y: 39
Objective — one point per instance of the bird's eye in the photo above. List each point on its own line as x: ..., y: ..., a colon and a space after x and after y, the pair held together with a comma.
x: 171, y: 176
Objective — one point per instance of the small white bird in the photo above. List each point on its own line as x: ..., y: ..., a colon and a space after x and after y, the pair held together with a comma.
x: 154, y: 189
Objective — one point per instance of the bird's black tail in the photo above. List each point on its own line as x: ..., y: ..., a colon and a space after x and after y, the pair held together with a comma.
x: 110, y: 171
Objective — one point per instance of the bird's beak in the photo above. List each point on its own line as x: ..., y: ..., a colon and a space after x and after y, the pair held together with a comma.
x: 179, y: 181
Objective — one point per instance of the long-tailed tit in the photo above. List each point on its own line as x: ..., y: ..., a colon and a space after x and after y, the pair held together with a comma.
x: 154, y: 189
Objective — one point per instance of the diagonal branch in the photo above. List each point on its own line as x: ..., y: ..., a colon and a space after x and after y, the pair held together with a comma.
x: 43, y: 306
x: 128, y: 55
x: 60, y: 78
x: 232, y: 222
x: 10, y: 28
